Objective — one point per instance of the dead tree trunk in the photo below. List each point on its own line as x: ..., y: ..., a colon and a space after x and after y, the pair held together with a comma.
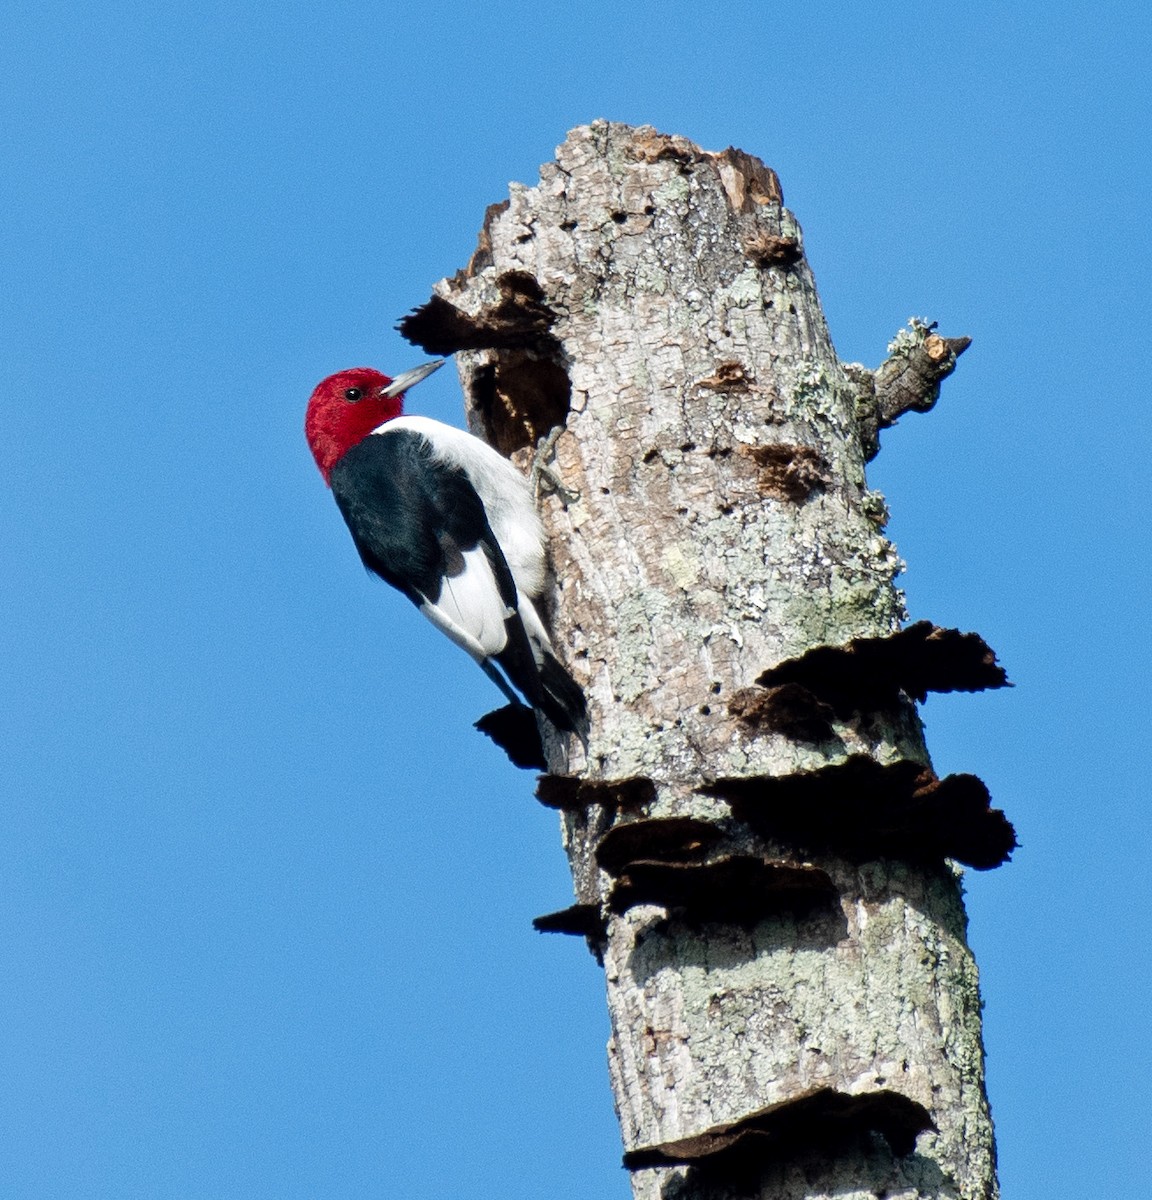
x: 763, y: 856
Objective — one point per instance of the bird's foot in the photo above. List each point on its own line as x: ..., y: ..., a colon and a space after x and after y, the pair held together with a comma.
x: 545, y: 481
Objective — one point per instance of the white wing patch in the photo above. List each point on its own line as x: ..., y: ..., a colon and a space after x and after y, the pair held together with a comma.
x: 469, y: 609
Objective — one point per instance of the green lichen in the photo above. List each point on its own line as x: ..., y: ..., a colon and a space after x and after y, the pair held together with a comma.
x: 746, y: 289
x: 672, y: 191
x: 911, y: 336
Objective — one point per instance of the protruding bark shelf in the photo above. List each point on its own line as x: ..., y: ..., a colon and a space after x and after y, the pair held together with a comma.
x: 870, y: 673
x: 664, y: 839
x: 737, y: 888
x: 864, y: 809
x: 824, y: 1118
x: 513, y: 728
x: 519, y: 321
x: 579, y: 920
x: 570, y: 794
x: 673, y: 862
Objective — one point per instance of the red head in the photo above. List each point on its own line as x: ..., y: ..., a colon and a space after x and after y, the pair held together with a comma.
x: 347, y: 406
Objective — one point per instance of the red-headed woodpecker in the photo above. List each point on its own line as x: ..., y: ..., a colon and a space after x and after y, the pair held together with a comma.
x: 448, y: 521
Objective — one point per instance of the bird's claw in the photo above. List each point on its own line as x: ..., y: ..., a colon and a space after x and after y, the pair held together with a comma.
x: 545, y: 481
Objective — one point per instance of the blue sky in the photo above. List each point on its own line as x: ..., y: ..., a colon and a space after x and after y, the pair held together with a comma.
x: 265, y: 898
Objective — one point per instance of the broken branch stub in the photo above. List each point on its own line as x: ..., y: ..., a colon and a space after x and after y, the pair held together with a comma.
x: 908, y: 380
x: 643, y: 323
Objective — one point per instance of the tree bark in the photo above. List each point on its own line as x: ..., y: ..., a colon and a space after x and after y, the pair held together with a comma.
x: 763, y: 858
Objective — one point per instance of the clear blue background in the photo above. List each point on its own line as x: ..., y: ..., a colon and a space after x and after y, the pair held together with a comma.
x: 264, y: 895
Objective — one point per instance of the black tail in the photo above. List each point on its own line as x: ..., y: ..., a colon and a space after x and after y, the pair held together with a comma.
x: 562, y: 701
x: 547, y: 686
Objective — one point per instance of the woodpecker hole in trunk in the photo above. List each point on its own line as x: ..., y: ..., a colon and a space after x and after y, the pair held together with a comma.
x: 520, y: 397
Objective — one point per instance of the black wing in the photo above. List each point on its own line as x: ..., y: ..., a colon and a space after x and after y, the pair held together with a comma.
x: 413, y: 518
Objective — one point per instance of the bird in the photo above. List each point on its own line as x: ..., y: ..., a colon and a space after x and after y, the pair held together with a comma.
x: 450, y: 523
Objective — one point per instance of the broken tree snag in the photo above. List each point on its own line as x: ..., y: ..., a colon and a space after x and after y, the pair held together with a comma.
x: 643, y: 323
x: 677, y: 569
x: 870, y: 673
x: 908, y: 380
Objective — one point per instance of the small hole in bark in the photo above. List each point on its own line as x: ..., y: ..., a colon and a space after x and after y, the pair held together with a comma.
x: 650, y: 210
x: 567, y: 226
x: 683, y: 512
x: 619, y: 217
x: 651, y: 456
x: 686, y: 446
x: 769, y: 304
x: 705, y: 710
x: 717, y: 688
x: 524, y: 237
x: 792, y: 309
x: 606, y: 491
x: 726, y: 510
x: 789, y: 472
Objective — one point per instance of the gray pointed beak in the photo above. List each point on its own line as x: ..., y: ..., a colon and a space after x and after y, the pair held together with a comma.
x: 410, y: 378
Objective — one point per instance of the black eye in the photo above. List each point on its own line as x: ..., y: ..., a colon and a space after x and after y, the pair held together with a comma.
x: 352, y: 394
